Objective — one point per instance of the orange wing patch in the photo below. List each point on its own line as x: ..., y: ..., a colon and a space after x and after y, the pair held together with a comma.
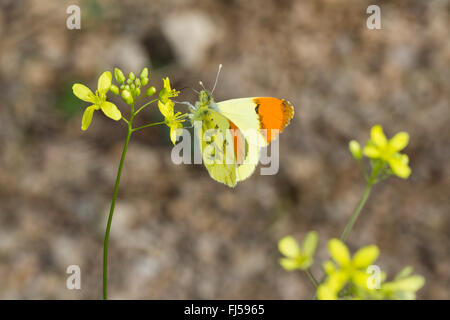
x: 274, y: 114
x: 238, y: 143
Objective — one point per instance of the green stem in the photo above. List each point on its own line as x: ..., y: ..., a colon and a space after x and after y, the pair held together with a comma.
x: 111, y: 212
x: 311, y: 277
x: 357, y: 211
x: 353, y: 218
x: 148, y: 125
x: 139, y: 110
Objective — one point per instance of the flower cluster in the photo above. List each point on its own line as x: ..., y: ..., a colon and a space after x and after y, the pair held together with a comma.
x: 129, y: 88
x: 351, y: 277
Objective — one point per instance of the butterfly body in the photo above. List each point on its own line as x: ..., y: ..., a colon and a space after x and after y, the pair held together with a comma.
x: 232, y: 132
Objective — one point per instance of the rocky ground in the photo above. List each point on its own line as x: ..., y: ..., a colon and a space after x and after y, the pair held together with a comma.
x: 176, y: 233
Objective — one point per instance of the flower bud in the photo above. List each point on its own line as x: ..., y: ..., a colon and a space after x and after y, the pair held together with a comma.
x: 355, y: 149
x: 127, y: 97
x: 131, y: 76
x: 144, y: 74
x: 122, y: 87
x: 118, y: 75
x: 129, y: 81
x: 150, y: 91
x: 114, y: 89
x: 137, y: 82
x: 144, y: 81
x: 137, y: 92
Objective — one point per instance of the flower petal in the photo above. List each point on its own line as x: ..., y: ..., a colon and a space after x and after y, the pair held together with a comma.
x: 175, y: 131
x: 339, y: 252
x: 400, y: 167
x: 289, y: 264
x: 87, y: 117
x: 309, y: 244
x: 371, y: 152
x: 82, y: 92
x: 326, y: 292
x: 361, y: 279
x: 110, y: 110
x: 364, y: 257
x: 166, y: 108
x: 377, y: 136
x: 104, y: 83
x: 289, y: 247
x: 411, y: 283
x: 399, y: 141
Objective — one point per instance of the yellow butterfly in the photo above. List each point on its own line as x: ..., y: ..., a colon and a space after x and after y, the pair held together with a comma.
x: 232, y: 132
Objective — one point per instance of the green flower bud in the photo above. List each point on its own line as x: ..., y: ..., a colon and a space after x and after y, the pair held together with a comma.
x: 127, y: 87
x: 114, y: 89
x: 122, y: 87
x: 144, y: 73
x: 129, y: 81
x: 127, y: 97
x: 355, y: 149
x: 144, y: 81
x: 150, y: 91
x: 137, y: 82
x: 131, y: 76
x: 132, y: 86
x: 137, y: 92
x: 118, y: 75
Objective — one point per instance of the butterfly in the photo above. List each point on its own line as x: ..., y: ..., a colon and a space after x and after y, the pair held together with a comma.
x: 231, y: 133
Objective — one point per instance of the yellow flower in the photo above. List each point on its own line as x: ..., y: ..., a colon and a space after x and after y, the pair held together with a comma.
x: 173, y: 120
x: 379, y: 147
x: 404, y: 286
x: 348, y: 269
x: 167, y: 92
x: 98, y: 100
x: 296, y: 257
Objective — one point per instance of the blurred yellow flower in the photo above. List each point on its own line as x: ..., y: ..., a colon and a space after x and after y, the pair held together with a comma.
x: 297, y: 257
x: 347, y: 270
x: 98, y: 100
x: 379, y: 147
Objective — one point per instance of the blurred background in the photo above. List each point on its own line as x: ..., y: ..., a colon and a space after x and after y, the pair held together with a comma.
x: 177, y: 233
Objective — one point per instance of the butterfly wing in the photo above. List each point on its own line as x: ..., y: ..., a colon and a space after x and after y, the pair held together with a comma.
x: 217, y: 148
x: 234, y: 131
x: 258, y: 120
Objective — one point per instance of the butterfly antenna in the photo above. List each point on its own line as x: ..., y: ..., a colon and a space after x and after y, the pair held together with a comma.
x: 217, y: 78
x: 201, y: 84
